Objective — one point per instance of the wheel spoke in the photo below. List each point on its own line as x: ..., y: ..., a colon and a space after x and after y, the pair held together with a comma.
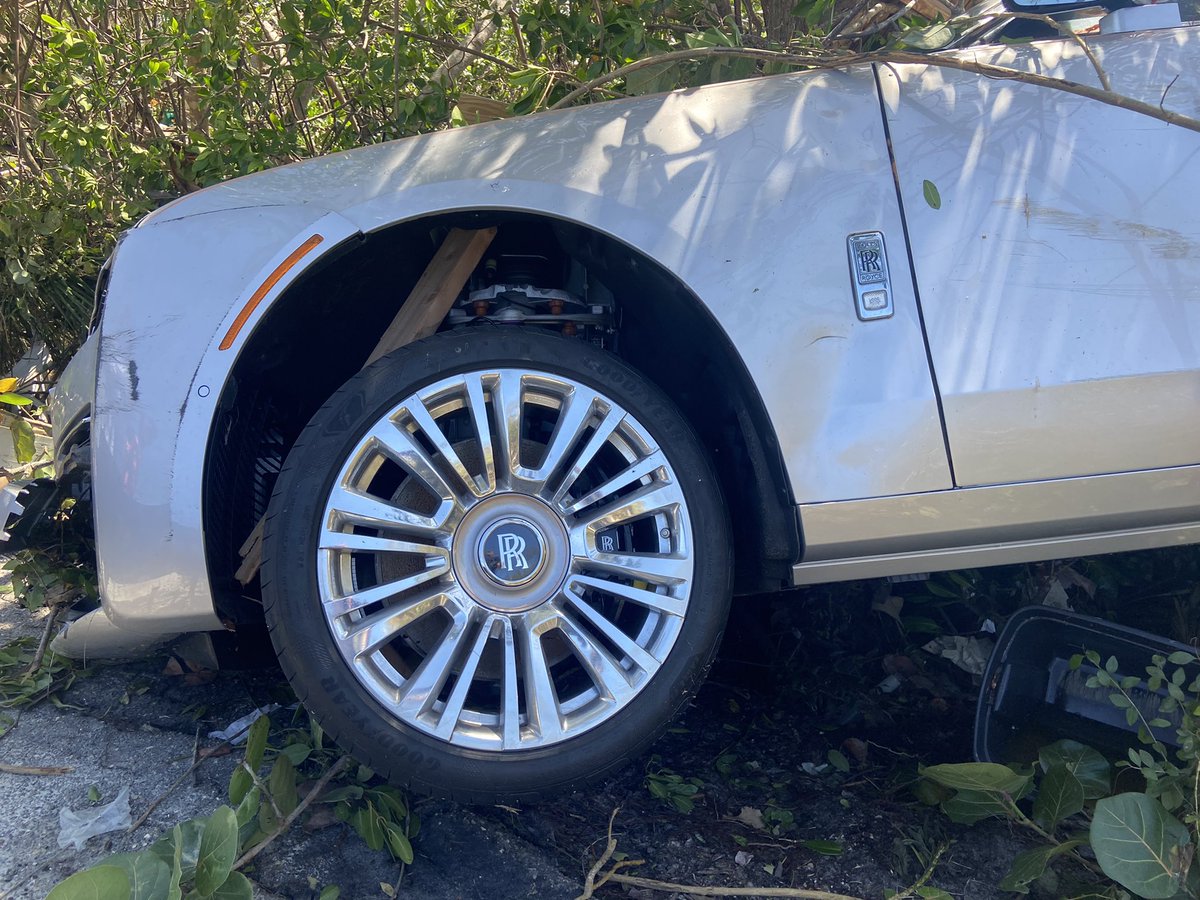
x: 483, y: 431
x: 664, y: 603
x: 340, y: 606
x: 435, y: 435
x: 636, y: 472
x: 356, y: 508
x: 641, y: 658
x: 369, y: 543
x: 541, y: 701
x: 421, y: 688
x: 458, y: 696
x: 371, y: 632
x: 652, y: 497
x: 507, y: 400
x: 402, y: 448
x: 510, y: 704
x: 608, y: 677
x: 663, y: 569
x: 573, y: 417
x: 612, y: 419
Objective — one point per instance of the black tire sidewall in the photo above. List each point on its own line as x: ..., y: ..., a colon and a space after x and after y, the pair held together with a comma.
x: 326, y: 684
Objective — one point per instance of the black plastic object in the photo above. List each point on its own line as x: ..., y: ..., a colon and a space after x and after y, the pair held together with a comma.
x: 36, y: 499
x: 1032, y: 697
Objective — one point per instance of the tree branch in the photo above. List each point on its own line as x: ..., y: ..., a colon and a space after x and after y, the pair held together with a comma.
x: 902, y: 57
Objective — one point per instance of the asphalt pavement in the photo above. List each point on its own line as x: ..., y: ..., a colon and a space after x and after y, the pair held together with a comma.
x: 130, y: 726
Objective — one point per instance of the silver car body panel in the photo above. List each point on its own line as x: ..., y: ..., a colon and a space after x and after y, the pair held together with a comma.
x: 1034, y: 511
x: 708, y: 183
x: 747, y: 192
x: 1060, y: 279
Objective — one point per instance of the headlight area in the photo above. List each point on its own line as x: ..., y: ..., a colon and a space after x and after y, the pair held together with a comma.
x: 101, y: 293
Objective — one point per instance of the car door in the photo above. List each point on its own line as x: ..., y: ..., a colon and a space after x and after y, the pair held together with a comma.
x: 1056, y: 246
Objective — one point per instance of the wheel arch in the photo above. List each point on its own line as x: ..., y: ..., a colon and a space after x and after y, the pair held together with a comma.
x: 320, y: 329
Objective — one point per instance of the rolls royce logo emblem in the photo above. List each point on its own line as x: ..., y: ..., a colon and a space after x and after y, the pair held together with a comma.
x: 512, y: 552
x: 869, y: 275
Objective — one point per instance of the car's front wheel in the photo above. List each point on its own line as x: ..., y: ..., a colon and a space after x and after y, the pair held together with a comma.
x: 496, y: 564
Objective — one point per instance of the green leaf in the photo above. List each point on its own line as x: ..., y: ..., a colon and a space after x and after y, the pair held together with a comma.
x: 932, y: 197
x: 969, y: 807
x: 256, y: 745
x: 282, y: 785
x: 330, y: 892
x: 181, y: 848
x: 235, y: 887
x: 399, y: 844
x: 218, y: 850
x: 1029, y: 866
x: 22, y: 438
x: 296, y: 753
x: 15, y: 399
x: 1090, y: 769
x: 838, y: 760
x: 248, y: 808
x: 96, y: 883
x: 367, y: 823
x: 1060, y: 795
x: 825, y: 848
x: 149, y: 877
x: 346, y: 792
x: 977, y: 777
x: 1181, y: 658
x: 1140, y: 845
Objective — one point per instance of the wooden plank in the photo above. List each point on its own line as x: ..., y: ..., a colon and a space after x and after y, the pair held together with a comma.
x: 436, y: 290
x: 419, y: 317
x: 251, y: 553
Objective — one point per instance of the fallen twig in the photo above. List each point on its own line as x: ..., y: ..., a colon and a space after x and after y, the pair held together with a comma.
x: 704, y: 891
x: 596, y: 880
x: 35, y: 770
x: 198, y: 760
x: 312, y: 795
x: 589, y: 883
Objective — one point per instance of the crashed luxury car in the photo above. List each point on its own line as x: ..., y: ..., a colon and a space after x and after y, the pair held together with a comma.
x: 486, y: 427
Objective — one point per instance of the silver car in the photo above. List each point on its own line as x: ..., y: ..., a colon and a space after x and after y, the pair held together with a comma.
x: 508, y: 413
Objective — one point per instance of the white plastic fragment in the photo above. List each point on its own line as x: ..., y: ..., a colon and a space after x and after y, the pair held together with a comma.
x: 988, y: 627
x: 236, y: 731
x: 968, y: 653
x: 889, y: 684
x: 76, y: 827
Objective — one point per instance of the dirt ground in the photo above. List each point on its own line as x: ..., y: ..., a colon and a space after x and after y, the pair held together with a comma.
x: 751, y: 756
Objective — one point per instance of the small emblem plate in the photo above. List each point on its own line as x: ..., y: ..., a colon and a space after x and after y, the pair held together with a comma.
x: 869, y: 275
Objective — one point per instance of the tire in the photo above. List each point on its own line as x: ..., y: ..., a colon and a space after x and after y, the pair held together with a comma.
x: 510, y: 630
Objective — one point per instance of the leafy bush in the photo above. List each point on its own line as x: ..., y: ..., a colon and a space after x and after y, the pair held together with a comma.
x: 119, y: 107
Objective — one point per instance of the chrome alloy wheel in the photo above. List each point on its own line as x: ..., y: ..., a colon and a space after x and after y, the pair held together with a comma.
x: 505, y: 559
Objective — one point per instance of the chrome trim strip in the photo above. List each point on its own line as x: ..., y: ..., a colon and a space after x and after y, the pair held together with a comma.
x: 994, y: 554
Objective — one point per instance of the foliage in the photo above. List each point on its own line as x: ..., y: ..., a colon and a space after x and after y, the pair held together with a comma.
x: 1144, y: 840
x: 27, y: 678
x: 672, y: 788
x: 16, y: 409
x: 971, y: 792
x: 113, y: 108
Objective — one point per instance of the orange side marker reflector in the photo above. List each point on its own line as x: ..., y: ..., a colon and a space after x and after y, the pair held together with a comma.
x: 265, y: 288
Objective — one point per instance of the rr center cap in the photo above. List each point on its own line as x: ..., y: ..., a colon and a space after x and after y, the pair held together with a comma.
x: 511, y: 551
